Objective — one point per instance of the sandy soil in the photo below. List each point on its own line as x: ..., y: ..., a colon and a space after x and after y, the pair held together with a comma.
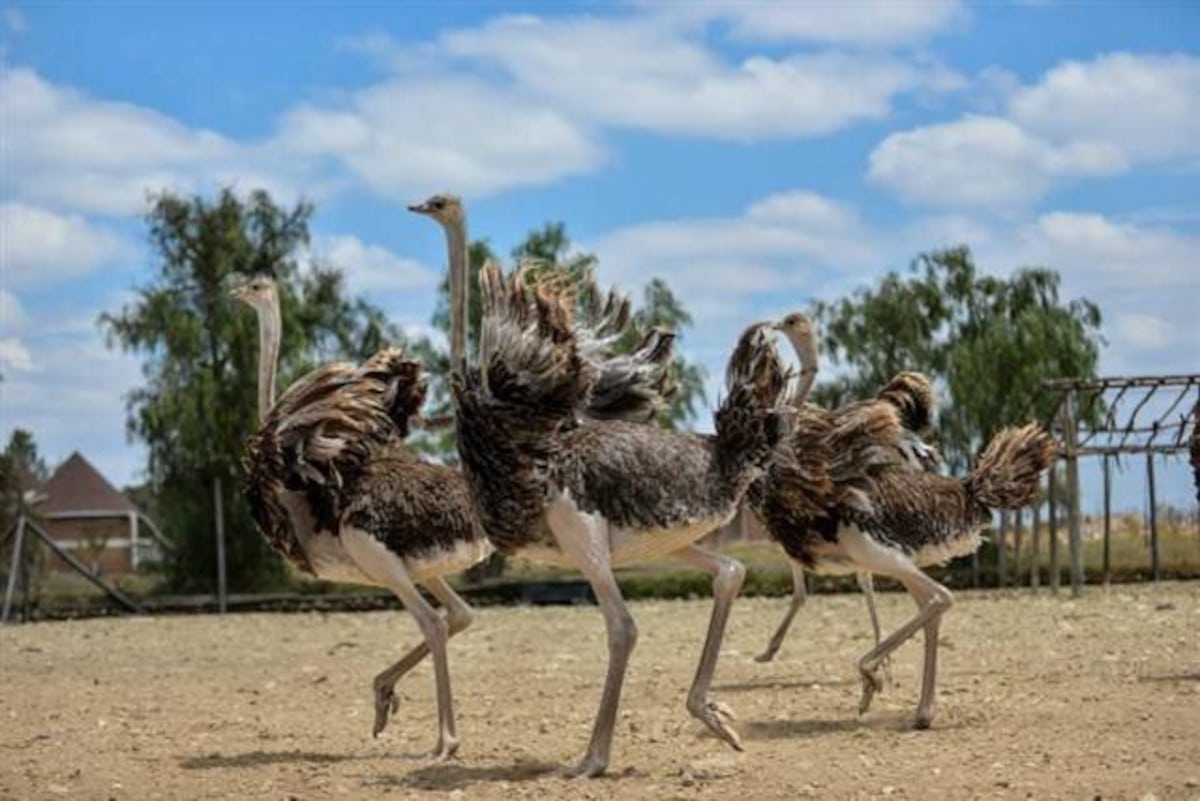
x: 1039, y: 698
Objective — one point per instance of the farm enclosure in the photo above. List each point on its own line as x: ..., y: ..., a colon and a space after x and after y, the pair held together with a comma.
x: 1098, y: 696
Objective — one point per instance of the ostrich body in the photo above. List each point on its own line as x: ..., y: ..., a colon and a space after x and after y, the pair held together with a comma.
x: 806, y: 473
x: 602, y: 493
x: 884, y: 516
x: 331, y: 488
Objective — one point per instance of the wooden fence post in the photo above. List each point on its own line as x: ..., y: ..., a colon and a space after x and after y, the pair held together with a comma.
x: 219, y: 515
x: 1035, y: 573
x: 1107, y: 520
x: 1052, y: 511
x: 1074, y: 530
x: 1001, y: 542
x: 1155, y: 566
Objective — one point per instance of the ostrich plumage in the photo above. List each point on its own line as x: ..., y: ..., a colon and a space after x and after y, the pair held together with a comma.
x: 883, y: 511
x: 333, y: 489
x: 601, y: 493
x: 330, y: 462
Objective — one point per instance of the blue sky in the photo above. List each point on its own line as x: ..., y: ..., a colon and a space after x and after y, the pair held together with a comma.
x: 755, y: 155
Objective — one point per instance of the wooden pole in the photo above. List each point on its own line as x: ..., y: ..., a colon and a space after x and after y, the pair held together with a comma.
x: 1018, y: 520
x: 1074, y: 530
x: 14, y: 566
x: 1001, y: 542
x: 219, y: 514
x: 1035, y: 573
x: 1107, y: 520
x: 1052, y: 511
x: 1155, y: 566
x: 82, y: 569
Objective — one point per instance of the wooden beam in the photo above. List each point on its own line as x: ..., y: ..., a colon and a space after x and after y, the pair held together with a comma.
x: 109, y: 590
x: 15, y: 566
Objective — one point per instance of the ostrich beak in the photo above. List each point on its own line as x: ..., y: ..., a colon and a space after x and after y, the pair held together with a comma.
x: 421, y: 208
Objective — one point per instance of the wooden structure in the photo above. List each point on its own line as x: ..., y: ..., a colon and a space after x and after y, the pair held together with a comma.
x: 1112, y: 417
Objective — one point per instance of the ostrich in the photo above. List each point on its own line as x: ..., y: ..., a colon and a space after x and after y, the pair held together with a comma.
x: 332, y: 491
x: 602, y: 494
x: 883, y: 516
x: 912, y: 396
x: 422, y: 513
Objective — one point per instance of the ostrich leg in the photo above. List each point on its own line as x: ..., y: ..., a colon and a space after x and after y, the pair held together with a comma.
x: 932, y: 602
x: 458, y: 618
x: 583, y: 539
x: 799, y: 596
x: 867, y: 584
x: 727, y: 575
x: 384, y: 567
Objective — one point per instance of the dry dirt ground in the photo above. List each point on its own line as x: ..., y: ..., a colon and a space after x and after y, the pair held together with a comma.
x: 1040, y: 697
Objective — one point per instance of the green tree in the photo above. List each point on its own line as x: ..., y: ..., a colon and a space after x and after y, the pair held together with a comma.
x: 988, y: 342
x: 200, y: 350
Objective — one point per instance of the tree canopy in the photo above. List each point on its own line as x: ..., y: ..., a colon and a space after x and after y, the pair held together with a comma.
x: 199, y: 347
x: 987, y: 341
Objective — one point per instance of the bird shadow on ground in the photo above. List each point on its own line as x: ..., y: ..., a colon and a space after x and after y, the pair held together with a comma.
x: 804, y: 729
x: 778, y: 684
x: 1170, y: 677
x: 260, y: 758
x: 450, y: 776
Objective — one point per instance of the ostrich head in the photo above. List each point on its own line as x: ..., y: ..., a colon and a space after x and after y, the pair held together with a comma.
x: 800, y: 332
x: 795, y: 325
x: 258, y: 292
x: 444, y: 207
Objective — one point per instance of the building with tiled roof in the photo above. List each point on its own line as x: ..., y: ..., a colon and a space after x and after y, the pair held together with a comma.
x: 88, y: 516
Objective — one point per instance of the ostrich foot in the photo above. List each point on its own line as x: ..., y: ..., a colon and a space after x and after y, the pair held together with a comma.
x: 768, y: 654
x: 719, y: 718
x: 587, y: 768
x: 871, y: 684
x: 386, y: 702
x: 446, y: 748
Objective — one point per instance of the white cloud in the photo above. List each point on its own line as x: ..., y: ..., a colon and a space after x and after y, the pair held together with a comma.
x: 781, y: 242
x: 643, y: 73
x: 981, y: 161
x: 791, y: 247
x: 14, y: 355
x: 879, y: 23
x: 74, y: 397
x: 371, y: 268
x: 408, y: 137
x: 65, y: 148
x: 39, y: 247
x: 1146, y: 107
x: 1143, y: 331
x: 1110, y: 253
x: 12, y: 314
x: 1144, y: 279
x: 1081, y: 120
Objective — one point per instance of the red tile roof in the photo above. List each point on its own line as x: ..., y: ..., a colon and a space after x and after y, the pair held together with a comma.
x: 76, y: 486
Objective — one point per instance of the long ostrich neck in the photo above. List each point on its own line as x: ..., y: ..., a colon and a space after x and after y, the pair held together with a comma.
x: 805, y: 346
x: 456, y: 245
x: 270, y: 328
